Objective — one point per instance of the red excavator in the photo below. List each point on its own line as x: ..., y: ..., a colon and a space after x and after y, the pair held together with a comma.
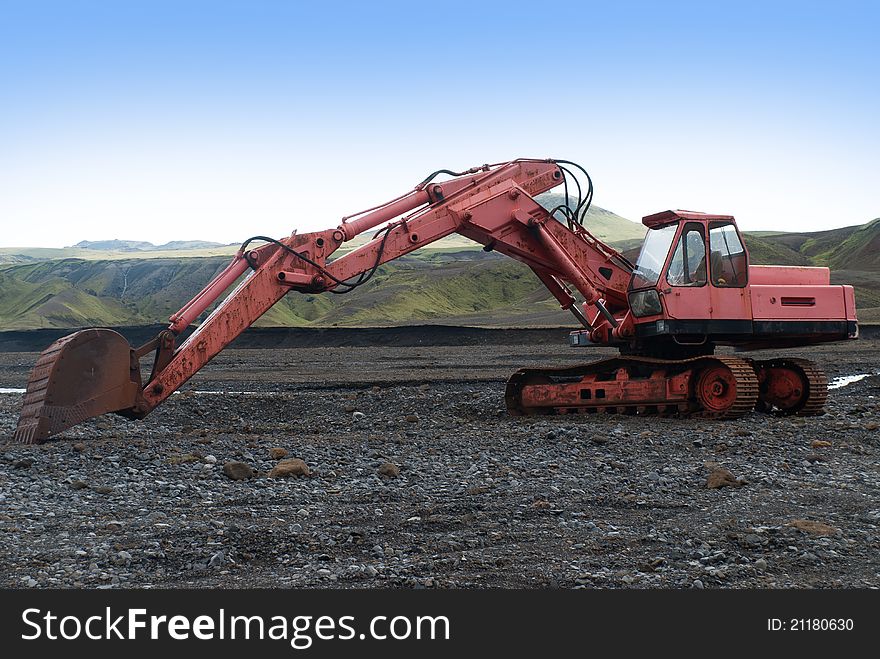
x: 691, y: 289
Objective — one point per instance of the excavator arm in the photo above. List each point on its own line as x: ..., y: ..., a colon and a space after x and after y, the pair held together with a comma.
x: 93, y: 371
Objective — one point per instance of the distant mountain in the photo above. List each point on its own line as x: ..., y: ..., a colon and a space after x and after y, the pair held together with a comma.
x: 143, y: 246
x: 188, y: 244
x: 115, y: 245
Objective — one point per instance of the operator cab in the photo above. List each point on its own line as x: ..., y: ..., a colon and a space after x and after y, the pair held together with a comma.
x: 686, y: 250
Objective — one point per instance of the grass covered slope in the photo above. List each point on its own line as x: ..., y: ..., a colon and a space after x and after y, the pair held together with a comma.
x: 76, y: 293
x: 54, y: 302
x: 859, y: 251
x: 856, y: 247
x: 766, y: 251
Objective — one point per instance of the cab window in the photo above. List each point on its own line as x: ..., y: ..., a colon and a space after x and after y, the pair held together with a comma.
x: 688, y: 264
x: 728, y: 266
x: 652, y: 256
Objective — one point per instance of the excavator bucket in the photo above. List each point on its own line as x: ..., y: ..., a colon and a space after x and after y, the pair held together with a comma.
x: 80, y: 376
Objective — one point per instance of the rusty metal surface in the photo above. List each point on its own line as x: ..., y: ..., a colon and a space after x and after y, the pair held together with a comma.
x: 791, y: 386
x: 668, y: 217
x: 633, y: 385
x: 79, y: 376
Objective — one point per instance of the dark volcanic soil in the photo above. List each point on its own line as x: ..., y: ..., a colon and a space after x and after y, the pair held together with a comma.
x: 481, y: 499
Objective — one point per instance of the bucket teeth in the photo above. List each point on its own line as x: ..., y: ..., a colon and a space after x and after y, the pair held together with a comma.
x: 26, y: 433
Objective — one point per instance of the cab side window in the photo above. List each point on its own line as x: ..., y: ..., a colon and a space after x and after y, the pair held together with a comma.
x: 688, y: 264
x: 728, y: 266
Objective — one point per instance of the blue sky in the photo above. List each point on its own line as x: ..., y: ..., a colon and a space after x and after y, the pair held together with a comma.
x: 218, y: 120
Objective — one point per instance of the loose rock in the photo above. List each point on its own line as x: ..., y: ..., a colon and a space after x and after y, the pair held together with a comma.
x: 483, y: 499
x: 238, y: 471
x: 388, y: 470
x: 811, y: 526
x: 290, y: 467
x: 723, y: 478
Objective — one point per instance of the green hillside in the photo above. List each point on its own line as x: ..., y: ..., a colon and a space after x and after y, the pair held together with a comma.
x: 816, y: 247
x: 53, y: 302
x: 859, y: 251
x: 768, y: 251
x: 76, y: 293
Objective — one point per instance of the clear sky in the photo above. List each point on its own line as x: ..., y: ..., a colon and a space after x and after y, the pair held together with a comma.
x: 218, y: 120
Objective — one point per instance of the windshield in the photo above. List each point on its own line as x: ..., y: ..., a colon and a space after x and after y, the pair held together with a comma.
x: 653, y: 256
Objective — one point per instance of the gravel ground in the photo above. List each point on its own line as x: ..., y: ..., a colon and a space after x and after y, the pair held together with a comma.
x: 418, y: 478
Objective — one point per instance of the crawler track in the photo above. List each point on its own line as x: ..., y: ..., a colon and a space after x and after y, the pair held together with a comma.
x: 714, y: 387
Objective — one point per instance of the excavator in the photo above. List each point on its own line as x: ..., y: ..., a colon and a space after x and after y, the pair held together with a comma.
x: 690, y: 290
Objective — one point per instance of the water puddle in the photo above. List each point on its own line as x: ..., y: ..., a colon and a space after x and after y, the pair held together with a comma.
x: 844, y: 380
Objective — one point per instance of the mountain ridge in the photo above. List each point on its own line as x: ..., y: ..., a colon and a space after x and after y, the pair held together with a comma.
x: 143, y: 246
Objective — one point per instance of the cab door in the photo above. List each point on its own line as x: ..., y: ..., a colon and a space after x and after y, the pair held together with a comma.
x: 728, y: 276
x: 685, y: 288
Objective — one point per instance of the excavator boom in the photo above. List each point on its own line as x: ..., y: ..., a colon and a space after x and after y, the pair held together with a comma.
x: 94, y: 372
